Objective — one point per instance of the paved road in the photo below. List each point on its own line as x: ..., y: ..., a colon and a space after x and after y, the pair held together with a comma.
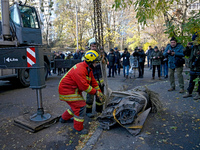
x: 176, y: 127
x: 15, y: 102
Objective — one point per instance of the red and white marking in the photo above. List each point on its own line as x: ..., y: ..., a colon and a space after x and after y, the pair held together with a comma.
x: 31, y: 59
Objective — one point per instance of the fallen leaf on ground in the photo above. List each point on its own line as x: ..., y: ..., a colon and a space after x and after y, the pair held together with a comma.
x: 187, y: 135
x: 141, y: 138
x: 148, y: 132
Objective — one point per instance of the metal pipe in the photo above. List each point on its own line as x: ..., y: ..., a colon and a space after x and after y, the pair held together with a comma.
x: 5, y: 18
x: 39, y: 98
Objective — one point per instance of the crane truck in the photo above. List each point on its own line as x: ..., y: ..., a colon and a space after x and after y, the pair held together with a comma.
x: 19, y: 28
x: 22, y: 58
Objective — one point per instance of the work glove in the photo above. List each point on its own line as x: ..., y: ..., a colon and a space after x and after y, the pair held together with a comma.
x: 101, y: 96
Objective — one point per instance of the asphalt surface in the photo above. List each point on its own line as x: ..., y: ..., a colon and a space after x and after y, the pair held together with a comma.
x: 176, y: 127
x: 15, y: 102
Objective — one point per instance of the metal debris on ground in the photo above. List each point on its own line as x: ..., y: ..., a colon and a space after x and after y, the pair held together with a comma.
x: 130, y: 109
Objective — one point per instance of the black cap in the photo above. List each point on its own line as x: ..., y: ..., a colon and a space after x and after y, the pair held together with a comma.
x: 111, y: 50
x: 125, y: 49
x: 173, y: 39
x: 156, y: 47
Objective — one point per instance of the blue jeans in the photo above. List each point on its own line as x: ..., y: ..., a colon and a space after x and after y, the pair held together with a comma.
x: 117, y: 68
x: 148, y: 61
x: 164, y: 67
x: 127, y: 70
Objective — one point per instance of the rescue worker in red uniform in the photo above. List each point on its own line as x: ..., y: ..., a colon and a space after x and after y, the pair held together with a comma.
x: 78, y: 79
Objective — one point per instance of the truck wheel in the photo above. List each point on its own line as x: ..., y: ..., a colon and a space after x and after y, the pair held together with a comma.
x: 23, y: 77
x: 46, y: 68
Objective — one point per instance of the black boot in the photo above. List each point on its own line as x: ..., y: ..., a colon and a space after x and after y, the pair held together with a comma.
x: 84, y: 131
x: 89, y: 113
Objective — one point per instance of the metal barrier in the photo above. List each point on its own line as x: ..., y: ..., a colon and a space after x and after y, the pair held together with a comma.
x: 68, y: 63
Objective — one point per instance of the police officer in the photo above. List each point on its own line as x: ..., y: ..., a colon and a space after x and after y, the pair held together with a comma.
x: 118, y: 61
x: 111, y: 62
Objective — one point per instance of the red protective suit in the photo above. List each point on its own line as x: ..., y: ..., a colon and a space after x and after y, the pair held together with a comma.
x: 71, y: 86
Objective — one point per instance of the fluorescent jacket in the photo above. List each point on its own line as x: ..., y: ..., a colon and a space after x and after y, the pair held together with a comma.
x: 76, y: 80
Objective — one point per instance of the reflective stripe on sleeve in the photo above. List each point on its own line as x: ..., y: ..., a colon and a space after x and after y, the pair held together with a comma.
x: 101, y: 81
x: 97, y: 88
x: 88, y: 89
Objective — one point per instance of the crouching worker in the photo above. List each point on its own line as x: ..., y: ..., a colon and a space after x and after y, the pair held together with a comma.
x: 78, y: 79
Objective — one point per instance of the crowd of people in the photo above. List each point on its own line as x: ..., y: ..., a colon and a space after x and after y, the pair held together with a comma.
x: 169, y: 58
x: 87, y: 75
x: 155, y: 59
x: 79, y: 54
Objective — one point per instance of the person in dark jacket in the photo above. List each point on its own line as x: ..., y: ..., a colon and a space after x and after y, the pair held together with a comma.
x: 82, y: 53
x: 194, y: 65
x: 164, y: 64
x: 111, y: 62
x: 174, y: 51
x: 118, y: 61
x: 103, y: 55
x: 141, y: 59
x: 59, y: 69
x: 126, y: 62
x: 62, y: 57
x: 77, y: 54
x: 186, y: 52
x: 156, y: 57
x: 148, y: 54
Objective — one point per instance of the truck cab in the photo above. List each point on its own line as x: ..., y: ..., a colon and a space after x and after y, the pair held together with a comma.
x: 26, y: 24
x: 22, y: 30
